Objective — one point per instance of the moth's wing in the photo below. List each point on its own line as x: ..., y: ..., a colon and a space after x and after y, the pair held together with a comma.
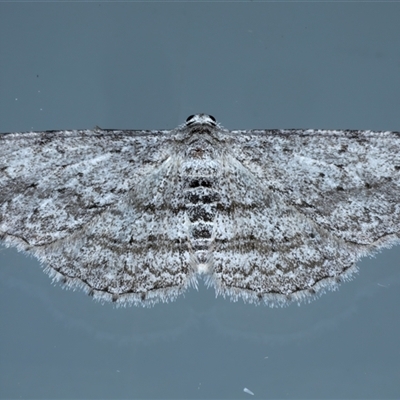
x: 86, y: 203
x: 53, y: 183
x: 136, y: 251
x: 347, y: 182
x: 266, y: 251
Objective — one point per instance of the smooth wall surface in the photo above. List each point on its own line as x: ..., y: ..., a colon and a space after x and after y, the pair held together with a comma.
x: 150, y: 65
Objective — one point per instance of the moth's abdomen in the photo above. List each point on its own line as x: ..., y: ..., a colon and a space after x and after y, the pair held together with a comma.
x: 201, y: 197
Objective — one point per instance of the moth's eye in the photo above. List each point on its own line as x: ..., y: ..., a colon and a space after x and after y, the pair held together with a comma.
x: 212, y: 118
x: 189, y: 118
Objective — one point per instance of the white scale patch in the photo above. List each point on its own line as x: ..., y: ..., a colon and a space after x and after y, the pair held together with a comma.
x: 136, y: 217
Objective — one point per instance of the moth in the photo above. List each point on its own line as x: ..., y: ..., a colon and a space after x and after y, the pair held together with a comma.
x: 139, y: 216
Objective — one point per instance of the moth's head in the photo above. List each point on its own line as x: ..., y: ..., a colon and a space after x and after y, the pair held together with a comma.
x: 201, y: 119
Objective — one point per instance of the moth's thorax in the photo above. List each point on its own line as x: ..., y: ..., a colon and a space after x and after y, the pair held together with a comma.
x: 201, y: 147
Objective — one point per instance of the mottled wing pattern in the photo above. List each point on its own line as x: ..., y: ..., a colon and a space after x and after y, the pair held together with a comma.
x: 345, y: 181
x: 84, y: 203
x: 136, y: 251
x: 308, y: 205
x: 74, y: 175
x: 265, y: 250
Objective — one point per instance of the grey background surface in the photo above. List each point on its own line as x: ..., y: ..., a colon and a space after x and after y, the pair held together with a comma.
x: 150, y: 65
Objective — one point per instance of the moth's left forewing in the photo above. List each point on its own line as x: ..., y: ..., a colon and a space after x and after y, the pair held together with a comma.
x: 53, y: 183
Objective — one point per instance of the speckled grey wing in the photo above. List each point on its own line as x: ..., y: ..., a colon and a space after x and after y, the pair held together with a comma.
x: 345, y: 181
x: 308, y: 205
x: 79, y: 201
